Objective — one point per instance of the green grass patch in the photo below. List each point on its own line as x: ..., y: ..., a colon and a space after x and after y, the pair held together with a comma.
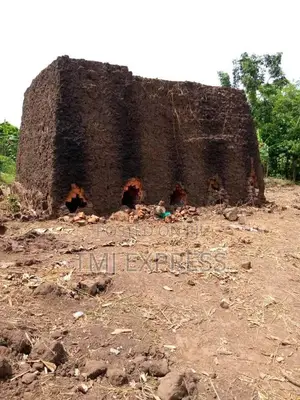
x: 7, y: 178
x: 7, y: 169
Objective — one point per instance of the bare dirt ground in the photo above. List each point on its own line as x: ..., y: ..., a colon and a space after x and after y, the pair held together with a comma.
x: 182, y: 297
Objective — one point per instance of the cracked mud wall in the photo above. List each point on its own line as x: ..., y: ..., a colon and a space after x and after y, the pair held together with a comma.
x: 93, y: 131
x: 151, y: 112
x: 191, y: 132
x: 36, y: 158
x: 96, y: 125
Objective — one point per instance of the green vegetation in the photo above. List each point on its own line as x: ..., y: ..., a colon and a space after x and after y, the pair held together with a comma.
x: 275, y: 107
x: 13, y: 203
x: 9, y: 139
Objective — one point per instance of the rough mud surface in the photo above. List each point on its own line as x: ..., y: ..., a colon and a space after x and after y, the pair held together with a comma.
x: 111, y: 126
x: 205, y: 308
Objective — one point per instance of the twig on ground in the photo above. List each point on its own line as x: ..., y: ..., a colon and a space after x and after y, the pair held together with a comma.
x: 19, y: 375
x: 290, y: 379
x: 214, y: 389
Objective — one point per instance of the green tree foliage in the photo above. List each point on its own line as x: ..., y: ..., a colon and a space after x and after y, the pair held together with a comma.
x: 224, y: 79
x: 280, y: 129
x: 264, y: 154
x: 253, y: 72
x: 9, y: 139
x: 275, y: 106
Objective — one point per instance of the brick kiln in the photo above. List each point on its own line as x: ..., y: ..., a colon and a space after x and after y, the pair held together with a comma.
x: 124, y: 139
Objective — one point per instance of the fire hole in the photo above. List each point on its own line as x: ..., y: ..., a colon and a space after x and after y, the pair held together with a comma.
x: 132, y: 193
x: 216, y: 193
x: 178, y: 197
x: 76, y: 198
x: 214, y: 183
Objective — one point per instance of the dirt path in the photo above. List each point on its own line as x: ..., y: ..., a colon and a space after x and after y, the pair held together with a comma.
x: 185, y: 293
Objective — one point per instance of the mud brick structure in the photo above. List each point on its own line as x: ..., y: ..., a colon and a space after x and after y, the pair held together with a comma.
x: 97, y: 125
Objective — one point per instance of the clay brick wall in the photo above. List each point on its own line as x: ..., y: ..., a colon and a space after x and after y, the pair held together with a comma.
x: 36, y: 156
x: 153, y: 118
x: 92, y: 135
x: 191, y: 132
x: 105, y: 126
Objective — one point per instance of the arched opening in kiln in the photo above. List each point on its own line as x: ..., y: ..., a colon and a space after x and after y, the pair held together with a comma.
x: 75, y: 199
x: 132, y: 193
x: 178, y: 197
x: 216, y: 193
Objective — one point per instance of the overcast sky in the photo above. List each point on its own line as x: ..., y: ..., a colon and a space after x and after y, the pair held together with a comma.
x: 168, y: 39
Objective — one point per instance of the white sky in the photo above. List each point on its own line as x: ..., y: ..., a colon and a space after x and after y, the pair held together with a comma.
x: 168, y: 39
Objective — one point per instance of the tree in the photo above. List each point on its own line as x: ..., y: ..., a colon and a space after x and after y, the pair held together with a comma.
x: 224, y: 79
x: 251, y: 72
x: 9, y: 140
x: 275, y: 107
x: 281, y: 130
x: 264, y: 154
